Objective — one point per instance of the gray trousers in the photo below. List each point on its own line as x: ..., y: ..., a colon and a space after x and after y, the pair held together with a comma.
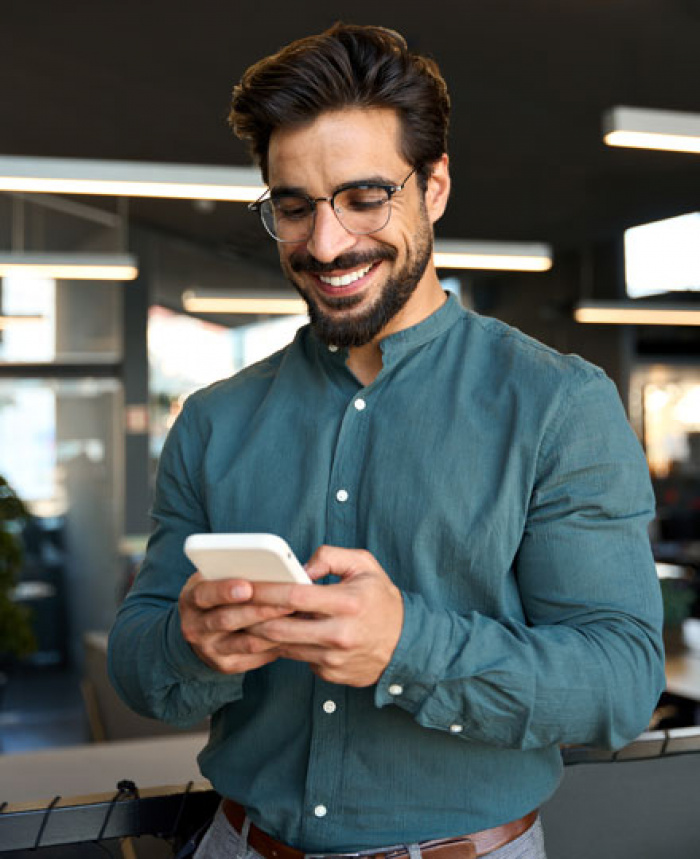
x: 223, y: 842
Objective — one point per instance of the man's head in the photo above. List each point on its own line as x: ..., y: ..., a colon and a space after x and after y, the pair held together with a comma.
x: 349, y: 129
x: 348, y: 66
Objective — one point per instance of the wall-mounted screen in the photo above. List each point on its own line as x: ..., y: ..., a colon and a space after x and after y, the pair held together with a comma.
x: 663, y: 256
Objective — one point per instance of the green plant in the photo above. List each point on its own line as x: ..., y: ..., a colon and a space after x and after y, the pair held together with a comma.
x: 16, y: 635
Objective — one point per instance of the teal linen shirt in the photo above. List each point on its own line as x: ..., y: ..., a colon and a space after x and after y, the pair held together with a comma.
x: 501, y: 488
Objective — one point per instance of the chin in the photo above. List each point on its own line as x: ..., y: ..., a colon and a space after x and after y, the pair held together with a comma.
x: 345, y: 328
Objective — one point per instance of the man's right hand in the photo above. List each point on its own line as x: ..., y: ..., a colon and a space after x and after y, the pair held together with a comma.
x: 214, y: 616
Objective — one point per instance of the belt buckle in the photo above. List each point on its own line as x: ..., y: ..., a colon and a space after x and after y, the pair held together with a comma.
x: 334, y: 855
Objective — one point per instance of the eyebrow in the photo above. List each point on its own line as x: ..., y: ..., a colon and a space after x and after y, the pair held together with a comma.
x: 287, y: 191
x: 298, y: 191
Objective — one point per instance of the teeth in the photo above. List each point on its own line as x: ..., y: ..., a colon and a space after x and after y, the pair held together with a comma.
x: 346, y: 279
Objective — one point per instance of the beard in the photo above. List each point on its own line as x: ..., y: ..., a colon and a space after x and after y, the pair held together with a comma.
x: 357, y: 329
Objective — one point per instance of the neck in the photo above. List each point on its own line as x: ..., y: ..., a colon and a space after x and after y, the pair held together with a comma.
x: 366, y: 361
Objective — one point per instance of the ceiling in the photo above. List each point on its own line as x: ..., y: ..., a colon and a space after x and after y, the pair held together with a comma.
x: 529, y: 79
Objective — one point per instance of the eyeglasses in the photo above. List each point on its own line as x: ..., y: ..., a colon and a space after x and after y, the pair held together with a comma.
x: 362, y: 208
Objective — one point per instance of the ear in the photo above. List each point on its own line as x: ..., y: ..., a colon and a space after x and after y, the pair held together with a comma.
x: 437, y: 191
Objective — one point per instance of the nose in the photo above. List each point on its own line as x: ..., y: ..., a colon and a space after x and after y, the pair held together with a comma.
x: 329, y: 237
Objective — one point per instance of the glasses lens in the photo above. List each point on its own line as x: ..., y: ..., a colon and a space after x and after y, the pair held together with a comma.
x: 288, y: 219
x: 362, y: 210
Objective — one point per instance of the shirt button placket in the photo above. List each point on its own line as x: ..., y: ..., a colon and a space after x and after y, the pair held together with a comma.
x: 342, y: 495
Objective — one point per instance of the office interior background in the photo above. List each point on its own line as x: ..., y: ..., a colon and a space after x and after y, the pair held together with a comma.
x: 92, y: 372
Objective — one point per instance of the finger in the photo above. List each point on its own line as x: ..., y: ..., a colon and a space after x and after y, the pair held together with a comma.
x: 214, y: 649
x: 341, y: 562
x: 310, y: 654
x: 204, y: 593
x: 229, y: 619
x: 238, y: 664
x: 241, y: 644
x: 316, y: 600
x: 323, y: 632
x: 329, y: 665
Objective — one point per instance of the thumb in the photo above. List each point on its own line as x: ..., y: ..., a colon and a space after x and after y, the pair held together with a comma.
x: 338, y: 561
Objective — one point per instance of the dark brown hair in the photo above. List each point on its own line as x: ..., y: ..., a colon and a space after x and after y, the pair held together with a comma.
x: 346, y: 66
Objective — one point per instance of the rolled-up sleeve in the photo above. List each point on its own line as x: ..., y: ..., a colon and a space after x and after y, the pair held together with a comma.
x: 151, y: 666
x: 586, y: 663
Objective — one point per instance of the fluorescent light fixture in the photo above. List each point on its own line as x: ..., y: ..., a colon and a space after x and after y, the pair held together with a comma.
x: 11, y: 321
x: 497, y: 256
x: 219, y: 301
x: 635, y: 313
x: 76, y: 266
x: 641, y: 128
x: 128, y: 178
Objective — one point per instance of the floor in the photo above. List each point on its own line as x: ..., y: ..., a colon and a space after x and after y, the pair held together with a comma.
x: 42, y: 708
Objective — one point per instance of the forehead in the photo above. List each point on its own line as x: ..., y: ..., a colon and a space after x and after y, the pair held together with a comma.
x: 336, y: 147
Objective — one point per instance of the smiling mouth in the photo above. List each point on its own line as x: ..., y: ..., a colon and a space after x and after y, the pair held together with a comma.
x: 345, y: 279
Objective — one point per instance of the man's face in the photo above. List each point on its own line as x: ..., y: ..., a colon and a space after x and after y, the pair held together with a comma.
x: 357, y: 286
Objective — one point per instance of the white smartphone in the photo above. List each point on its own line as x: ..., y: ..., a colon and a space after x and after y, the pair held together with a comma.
x: 256, y: 557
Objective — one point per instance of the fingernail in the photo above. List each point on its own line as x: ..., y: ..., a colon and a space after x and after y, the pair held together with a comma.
x: 239, y: 592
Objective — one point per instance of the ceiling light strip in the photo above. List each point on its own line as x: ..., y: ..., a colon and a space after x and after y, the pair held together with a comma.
x: 616, y: 313
x: 195, y: 301
x: 129, y: 179
x: 77, y: 266
x: 11, y: 321
x: 641, y: 128
x: 491, y: 255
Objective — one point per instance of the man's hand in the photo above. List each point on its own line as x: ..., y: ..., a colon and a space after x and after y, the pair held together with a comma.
x: 347, y: 632
x: 214, y: 617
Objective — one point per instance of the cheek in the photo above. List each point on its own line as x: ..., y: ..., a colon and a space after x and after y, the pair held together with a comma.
x: 410, y: 226
x: 284, y: 257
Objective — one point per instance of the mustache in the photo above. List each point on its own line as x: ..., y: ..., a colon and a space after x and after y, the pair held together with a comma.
x: 303, y: 261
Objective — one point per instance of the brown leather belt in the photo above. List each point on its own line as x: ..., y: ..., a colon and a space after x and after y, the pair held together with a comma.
x: 462, y: 847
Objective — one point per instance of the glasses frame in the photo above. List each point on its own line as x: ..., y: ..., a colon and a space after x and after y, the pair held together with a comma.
x: 313, y: 202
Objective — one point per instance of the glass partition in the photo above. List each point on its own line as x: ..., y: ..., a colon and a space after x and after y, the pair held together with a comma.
x: 61, y: 450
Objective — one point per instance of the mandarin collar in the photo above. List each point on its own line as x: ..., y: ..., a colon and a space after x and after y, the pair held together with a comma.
x: 403, y: 341
x: 396, y: 345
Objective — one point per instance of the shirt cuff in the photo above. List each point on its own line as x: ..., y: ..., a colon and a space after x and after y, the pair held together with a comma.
x: 406, y: 680
x: 185, y: 663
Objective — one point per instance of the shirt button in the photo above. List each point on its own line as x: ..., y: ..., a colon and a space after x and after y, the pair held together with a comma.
x: 342, y: 495
x: 329, y: 706
x: 396, y: 689
x: 332, y: 348
x: 320, y: 811
x: 360, y: 404
x: 456, y: 729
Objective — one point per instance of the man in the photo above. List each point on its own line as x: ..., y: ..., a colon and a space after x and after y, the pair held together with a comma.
x: 472, y: 505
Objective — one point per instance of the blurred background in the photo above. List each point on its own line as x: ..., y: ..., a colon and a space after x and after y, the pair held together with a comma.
x: 93, y: 371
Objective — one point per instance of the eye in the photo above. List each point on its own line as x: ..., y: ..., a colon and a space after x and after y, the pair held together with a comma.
x: 291, y: 208
x: 362, y: 199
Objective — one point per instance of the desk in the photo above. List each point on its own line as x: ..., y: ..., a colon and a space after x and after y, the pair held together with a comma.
x: 683, y: 675
x: 96, y: 768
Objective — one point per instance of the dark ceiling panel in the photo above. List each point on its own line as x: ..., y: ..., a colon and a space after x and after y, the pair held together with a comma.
x: 530, y: 80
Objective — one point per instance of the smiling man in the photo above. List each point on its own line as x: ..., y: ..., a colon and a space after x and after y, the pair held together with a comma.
x: 363, y: 261
x: 472, y: 507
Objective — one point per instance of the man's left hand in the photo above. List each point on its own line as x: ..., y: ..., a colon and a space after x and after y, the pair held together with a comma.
x: 348, y: 631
